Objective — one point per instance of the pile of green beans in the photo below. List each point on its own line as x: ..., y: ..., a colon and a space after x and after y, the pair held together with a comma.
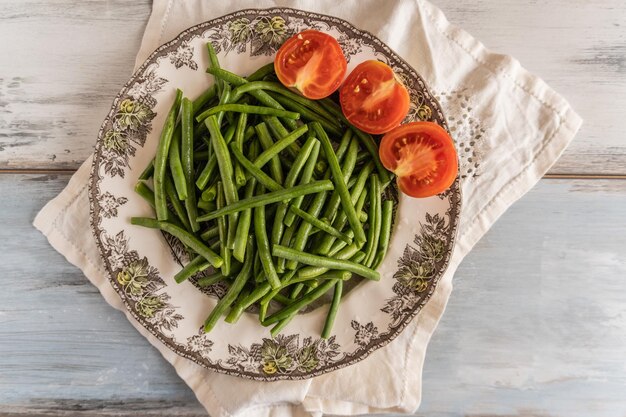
x: 272, y: 194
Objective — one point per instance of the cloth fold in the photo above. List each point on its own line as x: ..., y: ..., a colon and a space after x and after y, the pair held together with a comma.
x: 509, y: 128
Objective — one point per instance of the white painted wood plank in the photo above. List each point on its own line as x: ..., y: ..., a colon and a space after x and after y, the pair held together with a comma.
x: 536, y: 325
x: 63, y: 62
x: 61, y: 65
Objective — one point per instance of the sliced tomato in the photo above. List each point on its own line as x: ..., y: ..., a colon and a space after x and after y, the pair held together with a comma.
x: 312, y: 62
x: 423, y: 157
x: 373, y: 99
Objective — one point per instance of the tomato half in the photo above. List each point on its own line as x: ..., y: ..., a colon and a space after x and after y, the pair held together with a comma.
x: 311, y: 62
x: 423, y: 157
x: 373, y: 99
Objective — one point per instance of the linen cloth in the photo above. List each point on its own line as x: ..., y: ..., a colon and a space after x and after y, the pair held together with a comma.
x: 509, y: 128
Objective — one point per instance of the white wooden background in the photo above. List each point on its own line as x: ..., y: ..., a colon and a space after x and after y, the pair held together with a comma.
x: 536, y: 325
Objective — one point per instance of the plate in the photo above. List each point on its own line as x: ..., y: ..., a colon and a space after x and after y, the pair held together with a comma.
x: 141, y: 262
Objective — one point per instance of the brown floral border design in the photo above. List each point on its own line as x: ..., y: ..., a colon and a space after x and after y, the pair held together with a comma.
x: 283, y: 357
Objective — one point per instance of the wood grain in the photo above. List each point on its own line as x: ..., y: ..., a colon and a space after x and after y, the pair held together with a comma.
x: 536, y: 325
x: 62, y: 64
x: 68, y: 59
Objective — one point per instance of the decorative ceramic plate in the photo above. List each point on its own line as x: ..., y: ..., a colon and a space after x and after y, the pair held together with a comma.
x: 141, y: 263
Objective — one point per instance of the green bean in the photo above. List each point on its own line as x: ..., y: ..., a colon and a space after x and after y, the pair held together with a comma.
x: 210, y: 193
x: 375, y: 221
x: 309, y: 272
x: 284, y: 322
x: 320, y: 167
x: 260, y: 277
x: 271, y: 152
x: 307, y: 114
x: 305, y: 229
x: 301, y: 302
x: 258, y: 268
x: 262, y: 311
x: 240, y: 306
x: 260, y: 95
x: 147, y: 172
x: 147, y: 194
x: 263, y: 247
x: 362, y: 216
x: 336, y: 274
x: 332, y: 311
x: 359, y: 257
x: 160, y: 162
x: 243, y: 225
x: 214, y: 64
x: 343, y: 147
x: 176, y: 166
x: 309, y: 149
x: 233, y: 291
x: 210, y: 233
x: 225, y: 166
x: 361, y: 200
x: 340, y: 184
x: 347, y: 168
x: 212, y: 279
x: 323, y: 247
x: 330, y: 263
x: 246, y: 108
x: 222, y: 228
x: 279, y: 132
x: 254, y: 149
x: 339, y: 245
x: 256, y: 173
x: 286, y: 241
x: 307, y: 176
x: 320, y: 224
x: 187, y: 162
x: 312, y: 105
x: 215, y: 247
x: 207, y: 206
x: 296, y: 290
x: 261, y: 72
x: 266, y: 142
x: 362, y: 157
x: 204, y: 98
x: 179, y: 210
x: 196, y: 265
x: 224, y: 100
x: 341, y: 221
x: 366, y: 140
x: 385, y: 233
x: 185, y: 237
x: 309, y: 146
x: 240, y: 176
x: 274, y: 294
x: 209, y: 169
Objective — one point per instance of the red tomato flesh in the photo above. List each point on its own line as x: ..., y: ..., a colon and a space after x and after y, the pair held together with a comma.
x: 312, y: 62
x: 373, y: 99
x: 423, y: 157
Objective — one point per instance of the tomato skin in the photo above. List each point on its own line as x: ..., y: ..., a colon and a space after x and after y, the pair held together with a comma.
x: 423, y: 157
x: 373, y: 99
x: 311, y: 62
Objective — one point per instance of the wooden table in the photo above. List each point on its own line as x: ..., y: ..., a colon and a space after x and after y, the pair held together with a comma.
x: 536, y: 325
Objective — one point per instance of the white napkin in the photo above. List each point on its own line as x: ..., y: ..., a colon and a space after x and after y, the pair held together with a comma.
x: 509, y: 127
